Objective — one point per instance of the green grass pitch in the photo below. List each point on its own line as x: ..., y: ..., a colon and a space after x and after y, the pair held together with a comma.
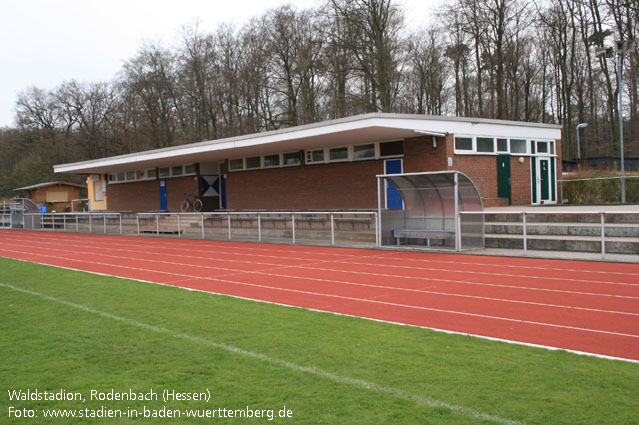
x: 69, y: 333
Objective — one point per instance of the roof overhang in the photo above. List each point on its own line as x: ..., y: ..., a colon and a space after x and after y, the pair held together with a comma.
x: 346, y: 131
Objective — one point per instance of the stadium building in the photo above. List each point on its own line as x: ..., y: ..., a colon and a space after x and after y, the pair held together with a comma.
x: 331, y: 165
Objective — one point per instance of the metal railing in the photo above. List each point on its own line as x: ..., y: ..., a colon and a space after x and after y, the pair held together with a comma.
x: 596, y: 225
x: 105, y: 223
x: 296, y: 227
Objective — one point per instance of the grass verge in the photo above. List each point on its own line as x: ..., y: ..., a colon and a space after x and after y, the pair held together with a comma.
x: 79, y: 332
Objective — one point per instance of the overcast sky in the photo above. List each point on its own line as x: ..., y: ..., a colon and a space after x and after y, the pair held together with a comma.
x: 46, y: 42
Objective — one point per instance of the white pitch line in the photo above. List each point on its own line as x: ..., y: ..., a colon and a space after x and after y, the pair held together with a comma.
x: 313, y: 370
x: 275, y: 288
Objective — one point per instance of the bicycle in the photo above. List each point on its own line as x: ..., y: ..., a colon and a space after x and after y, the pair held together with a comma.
x: 191, y: 203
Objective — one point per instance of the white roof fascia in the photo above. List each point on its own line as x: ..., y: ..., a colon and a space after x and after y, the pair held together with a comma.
x: 403, y: 123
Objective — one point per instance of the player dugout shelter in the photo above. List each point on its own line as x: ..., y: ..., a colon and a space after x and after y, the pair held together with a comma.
x: 432, y: 204
x: 332, y: 165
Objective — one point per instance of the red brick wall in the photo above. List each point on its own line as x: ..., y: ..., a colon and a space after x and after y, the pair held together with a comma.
x: 349, y: 185
x: 419, y: 155
x: 482, y: 170
x: 177, y: 187
x: 136, y: 196
x: 145, y: 195
x: 520, y: 185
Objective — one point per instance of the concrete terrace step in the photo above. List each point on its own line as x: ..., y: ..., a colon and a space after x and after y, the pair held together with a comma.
x: 563, y: 229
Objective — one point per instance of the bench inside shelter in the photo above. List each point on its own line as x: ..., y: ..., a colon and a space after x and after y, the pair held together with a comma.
x: 407, y: 234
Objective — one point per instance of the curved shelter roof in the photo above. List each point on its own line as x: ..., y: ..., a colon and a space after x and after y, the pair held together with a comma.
x: 432, y: 203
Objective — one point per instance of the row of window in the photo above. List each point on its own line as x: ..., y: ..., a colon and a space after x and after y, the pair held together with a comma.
x: 289, y: 159
x: 319, y: 156
x: 355, y: 152
x: 487, y: 145
x: 152, y: 173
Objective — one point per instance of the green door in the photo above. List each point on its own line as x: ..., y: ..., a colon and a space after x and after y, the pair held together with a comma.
x: 544, y: 174
x: 503, y: 177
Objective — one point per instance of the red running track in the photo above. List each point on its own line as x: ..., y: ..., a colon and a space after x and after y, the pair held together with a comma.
x: 590, y: 307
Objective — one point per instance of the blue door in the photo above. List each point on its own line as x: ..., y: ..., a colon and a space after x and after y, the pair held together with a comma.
x: 393, y: 198
x: 163, y: 199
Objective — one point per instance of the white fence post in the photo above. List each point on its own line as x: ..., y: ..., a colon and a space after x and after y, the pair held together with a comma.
x: 603, y: 235
x: 523, y: 219
x: 332, y: 229
x: 293, y: 224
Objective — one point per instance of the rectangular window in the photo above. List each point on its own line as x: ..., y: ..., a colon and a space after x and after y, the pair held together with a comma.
x: 485, y: 144
x: 291, y: 158
x: 532, y: 147
x: 542, y: 147
x: 151, y: 174
x: 338, y: 154
x: 253, y: 162
x: 271, y: 160
x: 517, y: 146
x: 96, y: 177
x: 502, y: 145
x: 98, y: 194
x: 165, y: 172
x: 552, y: 147
x: 364, y: 151
x: 177, y: 170
x: 236, y: 164
x: 139, y: 175
x: 317, y: 156
x: 189, y: 169
x: 463, y: 143
x: 120, y: 177
x: 112, y: 178
x: 391, y: 148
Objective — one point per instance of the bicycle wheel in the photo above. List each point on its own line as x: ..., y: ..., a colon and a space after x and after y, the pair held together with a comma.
x: 185, y: 205
x: 197, y: 205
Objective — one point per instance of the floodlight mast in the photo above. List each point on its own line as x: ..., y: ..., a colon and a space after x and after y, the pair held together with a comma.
x: 622, y: 46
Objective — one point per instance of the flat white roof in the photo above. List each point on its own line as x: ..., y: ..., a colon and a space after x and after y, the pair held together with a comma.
x: 366, y: 128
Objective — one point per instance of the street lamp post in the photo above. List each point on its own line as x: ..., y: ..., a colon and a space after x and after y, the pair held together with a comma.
x: 582, y: 125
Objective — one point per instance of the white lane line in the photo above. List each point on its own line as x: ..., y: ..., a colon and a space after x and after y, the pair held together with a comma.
x: 363, y: 300
x: 446, y: 331
x: 236, y: 272
x: 148, y: 252
x: 313, y: 370
x: 177, y: 244
x: 356, y: 284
